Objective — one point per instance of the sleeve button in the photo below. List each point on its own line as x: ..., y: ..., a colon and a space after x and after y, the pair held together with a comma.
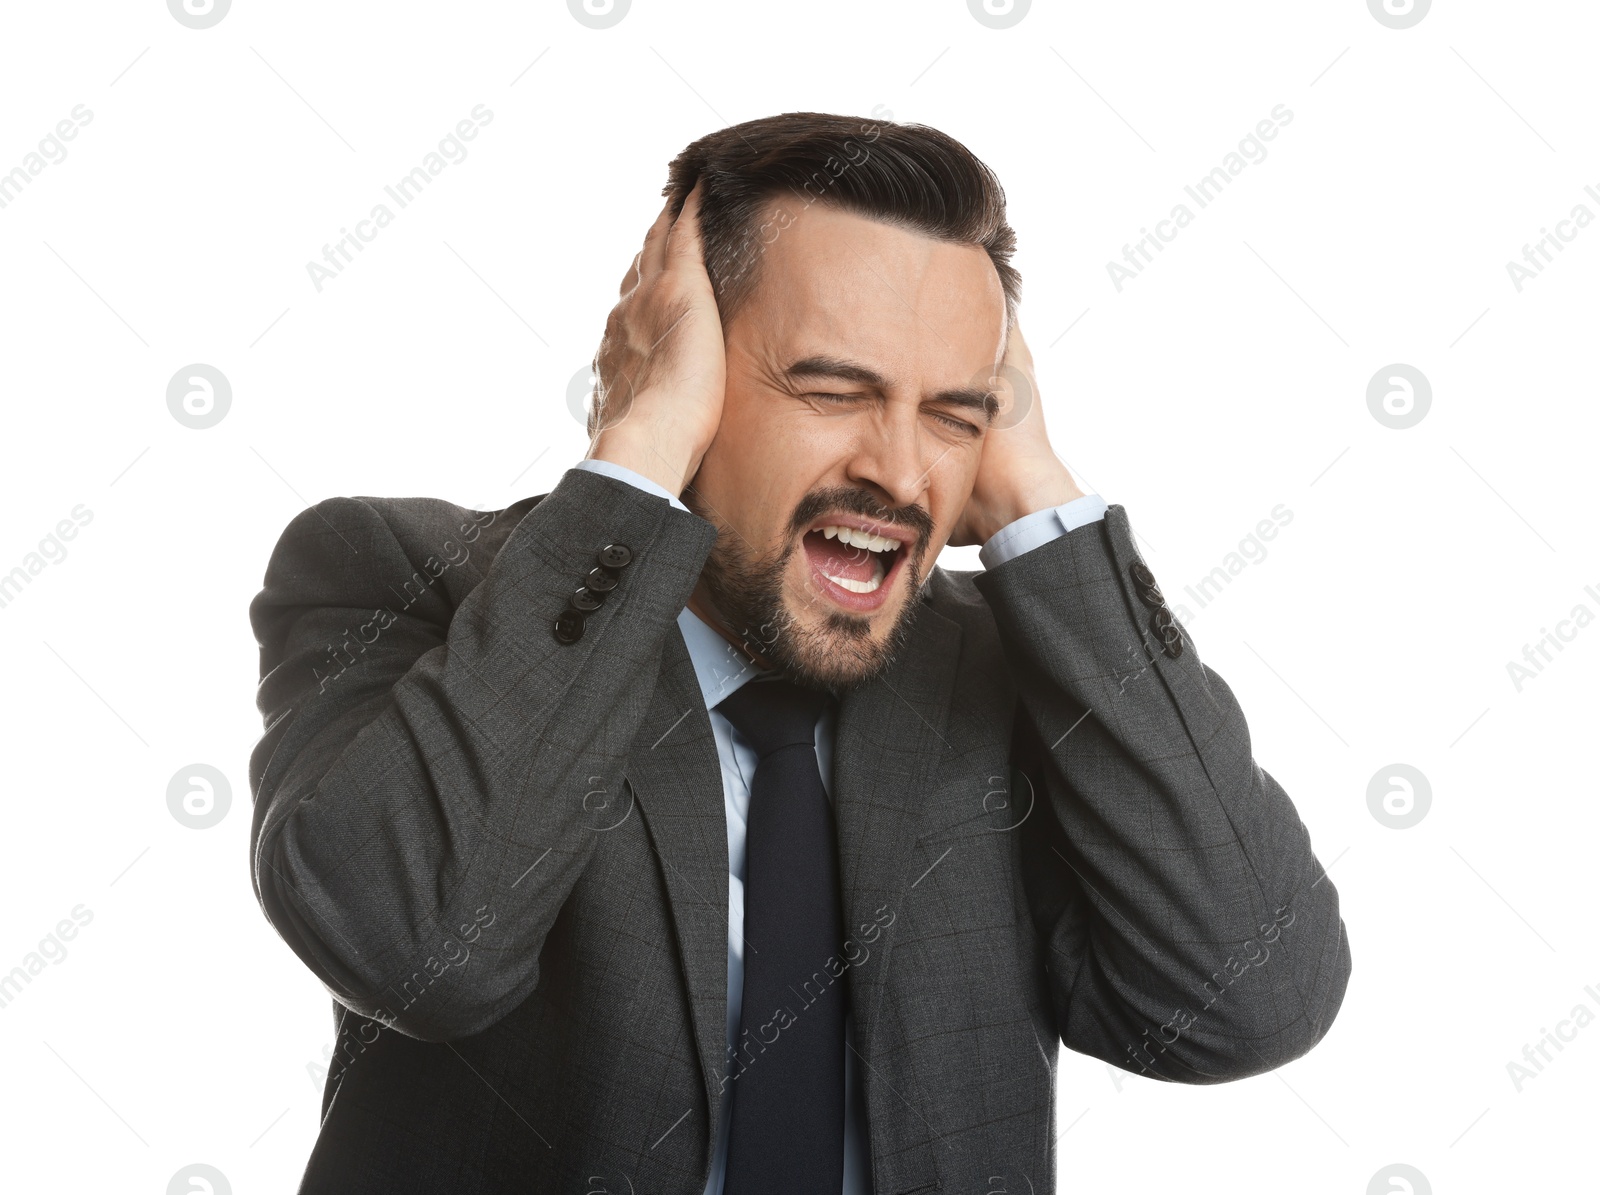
x: 569, y: 627
x: 615, y: 556
x: 597, y: 580
x: 585, y: 599
x: 1165, y: 628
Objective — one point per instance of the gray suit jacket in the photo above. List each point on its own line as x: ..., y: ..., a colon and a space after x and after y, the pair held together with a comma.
x: 505, y: 855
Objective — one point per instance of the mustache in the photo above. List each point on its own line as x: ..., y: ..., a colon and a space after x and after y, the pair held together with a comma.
x: 859, y: 502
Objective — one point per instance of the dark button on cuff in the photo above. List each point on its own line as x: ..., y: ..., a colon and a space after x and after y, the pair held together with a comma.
x: 1165, y: 628
x: 597, y: 582
x: 1144, y: 585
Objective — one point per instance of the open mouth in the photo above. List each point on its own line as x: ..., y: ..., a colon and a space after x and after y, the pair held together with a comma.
x: 854, y: 562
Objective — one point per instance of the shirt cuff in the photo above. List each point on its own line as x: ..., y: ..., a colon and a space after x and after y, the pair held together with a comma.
x: 622, y: 473
x: 1039, y: 528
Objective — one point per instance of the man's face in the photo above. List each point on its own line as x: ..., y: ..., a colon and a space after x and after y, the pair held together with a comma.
x: 851, y: 401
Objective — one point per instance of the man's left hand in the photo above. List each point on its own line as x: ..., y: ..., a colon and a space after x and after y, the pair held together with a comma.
x: 1018, y: 472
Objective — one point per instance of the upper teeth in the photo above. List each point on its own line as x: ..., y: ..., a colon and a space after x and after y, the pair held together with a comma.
x: 860, y: 539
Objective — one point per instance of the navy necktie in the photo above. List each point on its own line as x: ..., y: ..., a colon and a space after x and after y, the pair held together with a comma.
x: 786, y: 1134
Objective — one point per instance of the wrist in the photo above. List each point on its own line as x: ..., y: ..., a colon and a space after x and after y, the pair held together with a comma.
x: 650, y: 456
x: 1027, y: 495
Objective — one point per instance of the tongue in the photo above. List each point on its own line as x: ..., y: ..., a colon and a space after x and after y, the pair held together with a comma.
x: 841, y: 560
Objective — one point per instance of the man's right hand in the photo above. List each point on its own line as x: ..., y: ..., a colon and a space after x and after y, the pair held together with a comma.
x: 661, y: 365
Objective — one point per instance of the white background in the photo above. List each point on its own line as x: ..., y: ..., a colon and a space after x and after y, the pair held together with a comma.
x: 1229, y: 377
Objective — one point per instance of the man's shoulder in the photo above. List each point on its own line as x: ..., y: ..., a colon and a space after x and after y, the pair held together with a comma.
x: 429, y: 522
x: 952, y: 593
x: 355, y: 550
x: 421, y: 527
x: 950, y: 590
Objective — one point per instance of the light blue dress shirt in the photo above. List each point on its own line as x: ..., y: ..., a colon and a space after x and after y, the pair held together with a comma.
x: 721, y: 669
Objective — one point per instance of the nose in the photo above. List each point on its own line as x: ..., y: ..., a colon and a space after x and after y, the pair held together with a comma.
x: 894, y: 458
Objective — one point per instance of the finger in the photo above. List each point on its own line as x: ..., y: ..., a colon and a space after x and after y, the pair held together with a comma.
x: 683, y: 240
x: 652, y: 259
x: 1017, y: 347
x: 658, y: 228
x: 631, y: 278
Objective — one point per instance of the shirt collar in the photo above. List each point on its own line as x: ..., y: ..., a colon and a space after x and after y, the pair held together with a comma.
x: 718, y: 665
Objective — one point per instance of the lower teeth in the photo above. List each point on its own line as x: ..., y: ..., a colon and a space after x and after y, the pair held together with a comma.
x: 860, y: 586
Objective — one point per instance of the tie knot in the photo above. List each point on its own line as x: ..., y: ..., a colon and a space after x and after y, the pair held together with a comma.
x: 774, y: 713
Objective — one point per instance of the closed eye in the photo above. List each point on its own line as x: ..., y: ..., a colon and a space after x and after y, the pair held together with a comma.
x: 960, y: 425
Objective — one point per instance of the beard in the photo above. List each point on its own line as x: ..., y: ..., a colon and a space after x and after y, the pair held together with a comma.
x: 818, y: 646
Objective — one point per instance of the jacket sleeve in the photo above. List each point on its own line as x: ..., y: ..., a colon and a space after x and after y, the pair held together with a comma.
x: 1190, y: 933
x: 421, y: 818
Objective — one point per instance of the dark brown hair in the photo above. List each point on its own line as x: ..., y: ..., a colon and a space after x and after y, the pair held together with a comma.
x: 907, y: 175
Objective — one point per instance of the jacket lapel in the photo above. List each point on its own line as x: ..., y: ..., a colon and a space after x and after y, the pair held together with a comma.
x: 677, y: 781
x: 891, y: 741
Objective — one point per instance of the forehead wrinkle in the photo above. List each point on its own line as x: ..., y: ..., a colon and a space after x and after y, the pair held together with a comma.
x: 837, y: 319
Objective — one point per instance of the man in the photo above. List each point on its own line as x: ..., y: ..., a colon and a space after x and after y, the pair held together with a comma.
x: 686, y: 828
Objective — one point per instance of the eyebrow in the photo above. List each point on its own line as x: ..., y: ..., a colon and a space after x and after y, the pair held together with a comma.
x: 964, y: 397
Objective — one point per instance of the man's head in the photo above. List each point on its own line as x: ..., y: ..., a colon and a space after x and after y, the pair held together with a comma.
x: 862, y: 273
